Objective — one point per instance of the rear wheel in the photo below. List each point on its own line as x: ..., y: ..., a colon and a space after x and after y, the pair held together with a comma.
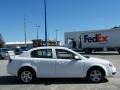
x: 26, y: 75
x: 95, y: 75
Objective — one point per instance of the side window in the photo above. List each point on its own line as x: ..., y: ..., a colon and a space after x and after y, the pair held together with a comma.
x: 42, y: 53
x: 64, y: 54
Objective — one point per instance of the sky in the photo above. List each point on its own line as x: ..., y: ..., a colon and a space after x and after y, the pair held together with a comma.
x: 62, y: 15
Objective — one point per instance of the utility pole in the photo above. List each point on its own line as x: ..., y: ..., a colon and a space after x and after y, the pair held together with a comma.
x: 45, y: 23
x: 37, y: 33
x: 56, y: 36
x: 25, y: 31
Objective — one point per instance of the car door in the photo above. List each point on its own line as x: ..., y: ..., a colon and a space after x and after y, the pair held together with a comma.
x: 43, y: 60
x: 67, y: 65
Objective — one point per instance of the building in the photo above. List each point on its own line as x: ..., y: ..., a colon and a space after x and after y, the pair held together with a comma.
x: 12, y: 45
x: 40, y: 42
x: 31, y: 44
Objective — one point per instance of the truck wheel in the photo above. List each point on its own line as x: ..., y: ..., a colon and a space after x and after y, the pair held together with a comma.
x: 26, y: 75
x: 88, y: 51
x: 118, y: 51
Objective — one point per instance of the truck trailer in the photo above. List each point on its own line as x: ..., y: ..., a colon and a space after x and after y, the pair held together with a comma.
x: 94, y: 40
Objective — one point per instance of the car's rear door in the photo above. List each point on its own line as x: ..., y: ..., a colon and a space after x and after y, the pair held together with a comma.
x: 43, y: 60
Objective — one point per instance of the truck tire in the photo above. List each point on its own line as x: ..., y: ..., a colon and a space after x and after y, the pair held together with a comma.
x: 88, y: 51
x: 118, y: 51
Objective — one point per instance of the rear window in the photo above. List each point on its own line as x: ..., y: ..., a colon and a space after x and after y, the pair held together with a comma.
x: 42, y: 53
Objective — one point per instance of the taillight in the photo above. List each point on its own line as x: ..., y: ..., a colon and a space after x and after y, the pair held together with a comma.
x: 10, y: 60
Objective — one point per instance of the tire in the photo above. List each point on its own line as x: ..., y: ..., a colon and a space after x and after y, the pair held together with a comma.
x: 88, y: 51
x: 95, y: 75
x: 118, y: 51
x: 26, y: 75
x: 1, y: 57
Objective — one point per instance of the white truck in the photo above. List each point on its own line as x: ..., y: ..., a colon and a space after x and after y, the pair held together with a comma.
x: 95, y: 40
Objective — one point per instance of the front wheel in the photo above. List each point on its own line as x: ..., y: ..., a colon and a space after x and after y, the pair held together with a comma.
x: 26, y: 76
x: 95, y: 75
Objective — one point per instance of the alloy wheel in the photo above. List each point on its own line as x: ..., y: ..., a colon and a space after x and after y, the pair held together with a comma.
x: 26, y: 76
x: 95, y: 76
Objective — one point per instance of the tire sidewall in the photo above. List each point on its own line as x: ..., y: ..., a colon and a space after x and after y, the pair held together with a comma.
x: 21, y: 71
x: 90, y: 71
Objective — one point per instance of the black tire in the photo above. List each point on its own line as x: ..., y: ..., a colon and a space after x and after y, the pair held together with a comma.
x: 88, y: 51
x: 95, y: 75
x: 118, y: 51
x: 1, y: 57
x: 26, y: 75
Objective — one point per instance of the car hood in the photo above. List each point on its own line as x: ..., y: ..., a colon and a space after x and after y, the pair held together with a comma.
x: 97, y: 60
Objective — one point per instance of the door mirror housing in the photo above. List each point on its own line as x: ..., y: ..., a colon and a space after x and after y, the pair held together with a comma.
x: 77, y: 58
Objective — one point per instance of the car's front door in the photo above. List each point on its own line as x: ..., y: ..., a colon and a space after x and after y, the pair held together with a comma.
x: 43, y: 60
x: 67, y: 65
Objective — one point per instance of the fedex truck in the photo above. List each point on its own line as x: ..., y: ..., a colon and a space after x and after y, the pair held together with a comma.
x: 95, y: 40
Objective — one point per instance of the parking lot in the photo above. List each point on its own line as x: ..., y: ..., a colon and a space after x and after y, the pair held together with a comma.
x: 8, y: 82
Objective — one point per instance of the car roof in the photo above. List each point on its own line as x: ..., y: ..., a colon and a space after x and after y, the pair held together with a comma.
x: 50, y: 47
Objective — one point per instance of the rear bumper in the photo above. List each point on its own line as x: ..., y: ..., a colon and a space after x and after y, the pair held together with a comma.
x: 11, y: 70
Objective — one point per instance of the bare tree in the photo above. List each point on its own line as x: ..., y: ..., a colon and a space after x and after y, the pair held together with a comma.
x: 2, y: 43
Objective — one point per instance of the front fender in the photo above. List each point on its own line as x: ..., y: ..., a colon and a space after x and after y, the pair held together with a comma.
x: 95, y: 65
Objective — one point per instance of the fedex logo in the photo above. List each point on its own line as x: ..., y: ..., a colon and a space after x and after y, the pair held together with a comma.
x: 97, y: 38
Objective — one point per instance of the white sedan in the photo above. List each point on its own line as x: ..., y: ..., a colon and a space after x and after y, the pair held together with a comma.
x: 58, y: 62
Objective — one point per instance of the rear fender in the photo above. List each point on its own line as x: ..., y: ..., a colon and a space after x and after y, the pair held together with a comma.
x: 28, y: 65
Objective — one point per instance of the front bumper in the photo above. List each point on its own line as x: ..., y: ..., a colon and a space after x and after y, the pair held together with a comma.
x: 111, y: 71
x: 114, y: 73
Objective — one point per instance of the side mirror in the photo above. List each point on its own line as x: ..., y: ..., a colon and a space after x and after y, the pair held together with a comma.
x: 77, y: 58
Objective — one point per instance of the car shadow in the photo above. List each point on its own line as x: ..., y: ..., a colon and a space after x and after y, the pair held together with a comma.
x: 11, y: 80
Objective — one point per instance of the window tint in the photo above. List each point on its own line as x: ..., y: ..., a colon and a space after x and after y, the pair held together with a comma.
x: 64, y: 54
x: 42, y: 53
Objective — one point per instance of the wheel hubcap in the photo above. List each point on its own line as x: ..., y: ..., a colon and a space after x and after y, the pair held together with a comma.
x: 26, y: 76
x: 95, y: 76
